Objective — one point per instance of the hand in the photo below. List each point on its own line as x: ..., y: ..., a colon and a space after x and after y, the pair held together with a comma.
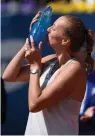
x: 32, y: 54
x: 88, y: 114
x: 34, y: 19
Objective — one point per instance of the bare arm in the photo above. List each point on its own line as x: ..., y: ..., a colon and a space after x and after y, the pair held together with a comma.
x: 13, y: 68
x: 57, y: 90
x: 16, y: 72
x: 24, y: 73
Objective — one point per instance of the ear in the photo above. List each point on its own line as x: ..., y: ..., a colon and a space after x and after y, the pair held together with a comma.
x: 66, y: 42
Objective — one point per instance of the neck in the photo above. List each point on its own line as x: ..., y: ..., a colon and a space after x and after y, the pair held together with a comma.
x: 63, y: 57
x: 80, y: 56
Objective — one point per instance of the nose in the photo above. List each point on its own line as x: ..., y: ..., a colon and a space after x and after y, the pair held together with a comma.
x: 49, y: 29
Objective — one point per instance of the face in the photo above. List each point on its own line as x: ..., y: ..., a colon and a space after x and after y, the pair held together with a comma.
x: 56, y: 32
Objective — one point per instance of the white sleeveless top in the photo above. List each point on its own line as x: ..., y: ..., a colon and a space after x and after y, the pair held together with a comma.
x: 61, y: 119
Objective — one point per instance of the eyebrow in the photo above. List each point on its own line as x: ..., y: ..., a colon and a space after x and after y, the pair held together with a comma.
x: 54, y: 25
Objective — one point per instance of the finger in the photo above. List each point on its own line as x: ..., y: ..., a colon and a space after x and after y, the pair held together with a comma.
x: 34, y: 19
x: 40, y: 46
x: 85, y: 118
x: 37, y: 15
x: 32, y: 42
x: 27, y: 43
x: 26, y: 46
x: 27, y: 49
x: 82, y: 118
x: 27, y: 53
x: 32, y: 23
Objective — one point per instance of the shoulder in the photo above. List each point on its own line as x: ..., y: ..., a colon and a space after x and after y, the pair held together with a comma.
x: 72, y: 64
x: 72, y: 70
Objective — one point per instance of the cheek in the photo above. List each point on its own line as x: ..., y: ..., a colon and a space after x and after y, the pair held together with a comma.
x: 55, y: 39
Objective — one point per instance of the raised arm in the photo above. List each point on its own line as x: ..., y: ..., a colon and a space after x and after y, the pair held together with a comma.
x: 61, y: 87
x: 13, y: 68
x: 17, y: 72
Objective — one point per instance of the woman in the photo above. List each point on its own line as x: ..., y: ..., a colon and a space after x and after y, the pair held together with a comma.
x: 56, y: 82
x: 87, y: 110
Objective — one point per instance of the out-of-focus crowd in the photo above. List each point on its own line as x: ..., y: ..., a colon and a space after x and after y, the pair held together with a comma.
x: 46, y: 1
x: 63, y: 6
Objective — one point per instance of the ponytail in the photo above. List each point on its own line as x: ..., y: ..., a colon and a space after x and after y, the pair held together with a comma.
x: 90, y: 44
x: 89, y: 40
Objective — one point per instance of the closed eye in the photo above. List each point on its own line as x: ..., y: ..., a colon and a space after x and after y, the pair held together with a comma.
x: 53, y: 27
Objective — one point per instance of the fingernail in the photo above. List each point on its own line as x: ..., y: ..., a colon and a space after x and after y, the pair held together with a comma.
x: 27, y: 43
x: 31, y: 38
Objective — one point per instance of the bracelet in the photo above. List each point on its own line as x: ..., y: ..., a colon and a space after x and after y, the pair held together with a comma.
x: 35, y: 71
